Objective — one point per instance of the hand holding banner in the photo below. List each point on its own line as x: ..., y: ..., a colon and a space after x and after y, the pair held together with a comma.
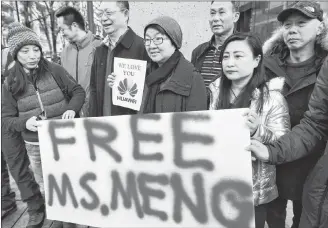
x: 158, y: 170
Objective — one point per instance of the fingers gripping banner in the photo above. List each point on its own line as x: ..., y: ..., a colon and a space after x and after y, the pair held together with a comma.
x: 158, y: 170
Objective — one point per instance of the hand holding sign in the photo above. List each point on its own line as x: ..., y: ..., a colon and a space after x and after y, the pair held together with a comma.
x: 127, y: 82
x: 111, y: 79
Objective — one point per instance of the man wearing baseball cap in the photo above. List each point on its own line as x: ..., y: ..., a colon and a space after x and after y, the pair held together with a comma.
x: 296, y: 52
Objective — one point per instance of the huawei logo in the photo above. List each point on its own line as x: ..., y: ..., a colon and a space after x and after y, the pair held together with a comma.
x: 123, y: 88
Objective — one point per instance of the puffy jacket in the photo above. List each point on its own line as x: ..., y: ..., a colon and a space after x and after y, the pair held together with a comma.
x: 16, y: 110
x: 300, y: 142
x: 291, y: 176
x: 274, y: 122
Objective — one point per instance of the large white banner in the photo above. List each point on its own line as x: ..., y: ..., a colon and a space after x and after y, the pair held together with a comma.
x: 158, y: 170
x: 129, y: 82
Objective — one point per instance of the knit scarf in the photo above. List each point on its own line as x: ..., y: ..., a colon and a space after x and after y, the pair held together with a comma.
x: 157, y: 76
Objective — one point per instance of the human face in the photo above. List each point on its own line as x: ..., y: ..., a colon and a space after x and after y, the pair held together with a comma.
x: 29, y: 56
x: 222, y: 17
x: 299, y: 31
x: 113, y: 18
x: 238, y: 62
x: 159, y: 53
x: 69, y: 31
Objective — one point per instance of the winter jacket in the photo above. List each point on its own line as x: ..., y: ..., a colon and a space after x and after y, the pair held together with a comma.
x: 131, y: 46
x: 77, y: 59
x: 315, y: 196
x: 199, y: 53
x: 183, y: 91
x: 16, y: 110
x: 291, y: 176
x: 274, y: 122
x: 300, y: 142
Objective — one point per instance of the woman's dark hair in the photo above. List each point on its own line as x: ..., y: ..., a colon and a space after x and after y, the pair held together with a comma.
x: 18, y: 78
x: 258, y: 80
x: 160, y: 30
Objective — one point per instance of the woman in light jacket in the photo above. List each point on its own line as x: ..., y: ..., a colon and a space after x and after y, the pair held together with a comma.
x: 243, y: 85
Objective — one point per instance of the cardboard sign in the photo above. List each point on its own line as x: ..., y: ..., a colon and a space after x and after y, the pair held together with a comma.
x: 158, y: 170
x: 129, y: 82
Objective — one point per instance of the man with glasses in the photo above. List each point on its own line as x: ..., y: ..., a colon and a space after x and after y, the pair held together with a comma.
x: 77, y: 56
x: 121, y: 41
x: 205, y: 57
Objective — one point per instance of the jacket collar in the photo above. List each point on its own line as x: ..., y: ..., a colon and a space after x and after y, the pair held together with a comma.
x: 277, y: 66
x: 85, y: 41
x: 126, y: 40
x: 181, y: 78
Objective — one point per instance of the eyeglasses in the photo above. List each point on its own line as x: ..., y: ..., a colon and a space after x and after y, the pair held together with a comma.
x: 156, y: 41
x: 109, y: 13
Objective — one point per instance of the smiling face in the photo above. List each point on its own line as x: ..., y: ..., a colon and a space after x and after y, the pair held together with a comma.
x: 163, y: 50
x: 300, y: 31
x: 113, y: 18
x: 238, y: 62
x: 29, y: 56
x: 222, y: 17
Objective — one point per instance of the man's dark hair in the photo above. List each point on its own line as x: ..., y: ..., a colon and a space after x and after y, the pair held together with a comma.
x: 70, y: 15
x: 235, y: 5
x: 124, y: 5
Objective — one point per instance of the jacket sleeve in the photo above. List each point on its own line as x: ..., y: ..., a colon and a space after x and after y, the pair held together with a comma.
x: 92, y: 103
x: 197, y: 100
x: 313, y: 127
x: 9, y: 111
x: 277, y: 120
x: 75, y: 91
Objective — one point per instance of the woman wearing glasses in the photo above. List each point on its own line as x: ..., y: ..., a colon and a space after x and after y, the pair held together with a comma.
x: 172, y: 84
x: 34, y: 90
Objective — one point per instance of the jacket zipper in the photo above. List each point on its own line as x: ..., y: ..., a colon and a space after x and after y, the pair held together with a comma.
x: 43, y: 111
x: 77, y: 64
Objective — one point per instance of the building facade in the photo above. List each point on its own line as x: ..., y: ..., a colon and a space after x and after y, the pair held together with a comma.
x: 261, y: 16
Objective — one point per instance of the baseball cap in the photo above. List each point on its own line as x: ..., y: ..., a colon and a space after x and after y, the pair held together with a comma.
x: 309, y: 9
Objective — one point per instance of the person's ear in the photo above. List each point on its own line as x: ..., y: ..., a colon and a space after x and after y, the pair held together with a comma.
x: 75, y: 25
x: 236, y: 17
x: 257, y: 60
x: 127, y: 14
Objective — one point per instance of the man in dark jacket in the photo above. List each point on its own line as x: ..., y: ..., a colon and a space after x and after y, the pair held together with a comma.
x: 121, y: 42
x: 300, y: 142
x: 205, y: 57
x: 295, y: 52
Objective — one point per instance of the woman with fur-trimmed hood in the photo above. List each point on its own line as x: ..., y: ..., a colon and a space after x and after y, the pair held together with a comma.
x: 296, y: 52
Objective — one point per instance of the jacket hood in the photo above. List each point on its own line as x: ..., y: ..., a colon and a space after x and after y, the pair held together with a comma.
x: 275, y: 43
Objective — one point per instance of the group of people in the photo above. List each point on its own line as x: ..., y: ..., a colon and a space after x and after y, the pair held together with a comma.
x: 278, y: 81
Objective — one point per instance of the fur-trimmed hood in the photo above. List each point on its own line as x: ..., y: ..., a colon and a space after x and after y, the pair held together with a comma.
x: 277, y: 40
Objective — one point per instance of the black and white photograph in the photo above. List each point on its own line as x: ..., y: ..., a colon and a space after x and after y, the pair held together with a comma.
x: 164, y: 114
